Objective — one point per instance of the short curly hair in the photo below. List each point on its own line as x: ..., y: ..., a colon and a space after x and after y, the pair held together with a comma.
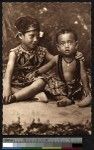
x: 66, y: 30
x: 23, y: 23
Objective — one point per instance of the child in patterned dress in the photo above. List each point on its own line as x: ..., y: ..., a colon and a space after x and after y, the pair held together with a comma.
x: 23, y: 61
x: 71, y: 81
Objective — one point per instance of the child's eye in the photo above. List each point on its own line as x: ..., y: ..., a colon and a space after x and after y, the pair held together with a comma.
x: 70, y: 42
x: 31, y: 36
x: 62, y: 43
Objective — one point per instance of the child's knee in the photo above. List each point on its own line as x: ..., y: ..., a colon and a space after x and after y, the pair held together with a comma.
x: 41, y: 97
x: 40, y: 82
x: 14, y: 89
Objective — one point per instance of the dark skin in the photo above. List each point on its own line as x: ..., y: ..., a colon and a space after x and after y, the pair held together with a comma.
x: 29, y: 40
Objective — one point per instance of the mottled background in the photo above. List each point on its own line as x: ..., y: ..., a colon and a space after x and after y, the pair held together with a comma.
x: 51, y: 16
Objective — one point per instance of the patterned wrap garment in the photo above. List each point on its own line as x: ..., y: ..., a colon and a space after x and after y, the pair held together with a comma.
x: 26, y: 64
x: 57, y: 85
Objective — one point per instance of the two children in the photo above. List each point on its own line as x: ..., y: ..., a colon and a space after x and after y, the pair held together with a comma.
x: 28, y: 57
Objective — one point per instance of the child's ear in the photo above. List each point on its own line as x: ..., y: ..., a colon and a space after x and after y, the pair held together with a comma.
x: 19, y: 35
x: 57, y: 47
x: 76, y: 45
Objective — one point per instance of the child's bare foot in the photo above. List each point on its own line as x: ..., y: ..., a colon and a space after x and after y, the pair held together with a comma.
x: 64, y: 102
x: 85, y: 102
x: 41, y: 97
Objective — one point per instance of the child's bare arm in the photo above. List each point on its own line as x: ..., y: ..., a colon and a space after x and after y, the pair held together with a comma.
x: 84, y: 78
x: 10, y: 67
x: 48, y: 66
x: 49, y: 56
x: 8, y: 76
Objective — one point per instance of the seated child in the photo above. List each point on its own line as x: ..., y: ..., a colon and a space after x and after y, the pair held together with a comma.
x: 23, y: 61
x: 72, y: 76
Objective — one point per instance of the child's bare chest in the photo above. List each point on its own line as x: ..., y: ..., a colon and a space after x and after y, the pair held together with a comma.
x: 69, y: 70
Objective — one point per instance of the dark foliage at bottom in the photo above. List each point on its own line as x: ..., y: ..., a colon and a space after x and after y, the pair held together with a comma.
x: 47, y: 129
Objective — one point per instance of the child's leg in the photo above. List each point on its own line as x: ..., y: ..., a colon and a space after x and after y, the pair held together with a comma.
x: 41, y: 97
x: 30, y: 91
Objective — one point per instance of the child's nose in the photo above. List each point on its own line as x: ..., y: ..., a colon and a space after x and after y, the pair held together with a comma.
x: 66, y: 44
x: 35, y: 39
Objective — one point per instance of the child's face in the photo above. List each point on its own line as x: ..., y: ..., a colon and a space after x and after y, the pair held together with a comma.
x: 30, y: 38
x: 67, y: 44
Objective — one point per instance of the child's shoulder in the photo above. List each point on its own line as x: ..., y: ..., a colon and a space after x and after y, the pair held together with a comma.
x: 55, y: 59
x: 16, y: 49
x: 42, y: 48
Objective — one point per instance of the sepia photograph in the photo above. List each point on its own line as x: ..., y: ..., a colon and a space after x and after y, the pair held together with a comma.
x: 46, y: 68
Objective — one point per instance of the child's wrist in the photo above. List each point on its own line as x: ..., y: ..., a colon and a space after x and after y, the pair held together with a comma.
x: 6, y: 87
x: 87, y: 92
x: 6, y: 84
x: 37, y: 73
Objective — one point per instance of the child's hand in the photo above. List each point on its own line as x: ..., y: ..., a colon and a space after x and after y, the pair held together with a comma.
x: 85, y: 102
x: 33, y: 75
x: 79, y: 56
x: 30, y: 76
x: 65, y: 101
x: 6, y: 95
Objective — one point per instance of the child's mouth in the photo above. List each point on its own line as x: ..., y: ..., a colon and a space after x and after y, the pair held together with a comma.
x: 67, y: 51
